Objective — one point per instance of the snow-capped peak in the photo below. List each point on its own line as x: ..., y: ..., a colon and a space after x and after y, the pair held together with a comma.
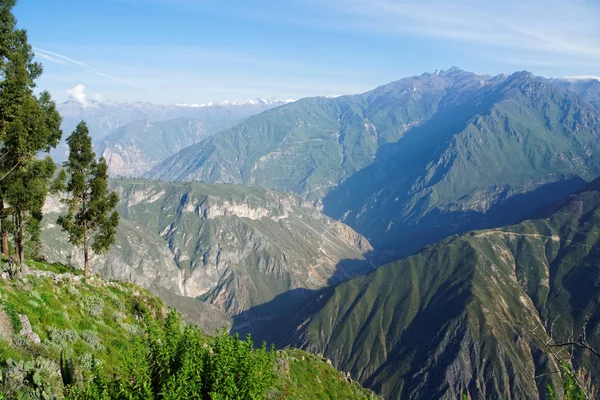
x: 225, y: 103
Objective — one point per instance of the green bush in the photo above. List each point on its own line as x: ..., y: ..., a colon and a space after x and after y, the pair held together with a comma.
x: 173, y: 361
x: 571, y: 388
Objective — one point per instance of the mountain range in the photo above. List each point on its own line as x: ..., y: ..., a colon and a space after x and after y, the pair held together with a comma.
x: 416, y: 160
x: 477, y: 194
x: 135, y: 148
x: 104, y: 117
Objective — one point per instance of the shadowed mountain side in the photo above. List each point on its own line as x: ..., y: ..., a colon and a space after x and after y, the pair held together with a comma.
x: 258, y: 319
x: 459, y: 316
x: 399, y: 234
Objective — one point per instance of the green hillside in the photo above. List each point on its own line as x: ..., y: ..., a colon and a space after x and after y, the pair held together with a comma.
x: 100, y: 322
x: 470, y: 315
x: 416, y: 160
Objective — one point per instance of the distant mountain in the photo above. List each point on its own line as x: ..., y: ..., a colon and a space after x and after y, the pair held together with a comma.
x: 588, y: 88
x: 416, y: 160
x: 469, y: 316
x: 135, y: 148
x: 232, y: 247
x: 104, y: 117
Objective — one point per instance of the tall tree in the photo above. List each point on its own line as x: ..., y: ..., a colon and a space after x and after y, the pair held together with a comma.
x: 24, y: 185
x: 28, y: 125
x: 91, y: 220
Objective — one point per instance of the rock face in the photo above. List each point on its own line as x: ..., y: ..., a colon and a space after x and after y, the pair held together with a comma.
x: 233, y: 247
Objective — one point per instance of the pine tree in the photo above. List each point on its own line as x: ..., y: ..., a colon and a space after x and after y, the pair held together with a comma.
x: 91, y: 220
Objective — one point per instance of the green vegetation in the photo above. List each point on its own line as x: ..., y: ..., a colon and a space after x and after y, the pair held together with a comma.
x: 113, y: 340
x: 571, y: 388
x: 29, y: 124
x: 91, y: 220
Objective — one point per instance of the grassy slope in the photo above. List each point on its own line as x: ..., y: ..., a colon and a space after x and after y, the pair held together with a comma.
x: 64, y: 311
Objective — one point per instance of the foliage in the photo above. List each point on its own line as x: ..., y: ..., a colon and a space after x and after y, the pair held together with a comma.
x: 571, y: 388
x: 91, y: 220
x: 132, y: 341
x: 174, y: 361
x: 28, y: 125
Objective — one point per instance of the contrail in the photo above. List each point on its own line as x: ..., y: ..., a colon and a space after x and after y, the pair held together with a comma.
x: 58, y: 58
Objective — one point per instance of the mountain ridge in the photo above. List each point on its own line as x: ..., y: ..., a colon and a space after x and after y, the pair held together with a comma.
x: 438, y: 129
x: 472, y: 314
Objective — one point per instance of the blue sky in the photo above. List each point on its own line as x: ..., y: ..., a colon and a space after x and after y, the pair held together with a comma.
x: 193, y: 51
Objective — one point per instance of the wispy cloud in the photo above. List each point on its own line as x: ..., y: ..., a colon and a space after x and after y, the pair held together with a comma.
x: 549, y: 29
x: 62, y: 59
x: 582, y: 78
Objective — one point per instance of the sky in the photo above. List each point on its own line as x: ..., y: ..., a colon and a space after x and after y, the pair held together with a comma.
x: 195, y: 51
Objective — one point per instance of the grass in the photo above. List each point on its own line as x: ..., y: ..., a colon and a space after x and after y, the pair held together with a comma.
x: 96, y: 318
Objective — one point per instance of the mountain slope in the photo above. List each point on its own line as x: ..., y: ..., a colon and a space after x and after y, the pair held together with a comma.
x: 416, y: 160
x: 104, y: 117
x: 135, y: 148
x: 316, y: 142
x: 468, y: 315
x: 586, y: 88
x: 232, y: 247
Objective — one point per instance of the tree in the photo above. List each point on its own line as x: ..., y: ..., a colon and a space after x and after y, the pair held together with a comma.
x: 91, y: 220
x: 28, y: 125
x: 24, y: 186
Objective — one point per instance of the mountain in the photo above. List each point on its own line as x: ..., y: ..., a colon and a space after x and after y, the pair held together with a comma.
x: 416, y: 160
x: 471, y: 315
x: 588, y: 88
x: 135, y: 148
x: 104, y: 117
x: 233, y: 248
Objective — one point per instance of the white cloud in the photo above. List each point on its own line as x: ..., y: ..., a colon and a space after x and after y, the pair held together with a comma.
x: 77, y: 93
x: 548, y: 30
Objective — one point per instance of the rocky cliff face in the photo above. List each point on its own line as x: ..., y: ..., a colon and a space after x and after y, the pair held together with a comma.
x: 233, y: 247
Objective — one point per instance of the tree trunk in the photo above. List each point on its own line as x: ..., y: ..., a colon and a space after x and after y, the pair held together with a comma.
x: 20, y: 245
x: 85, y: 250
x: 3, y: 231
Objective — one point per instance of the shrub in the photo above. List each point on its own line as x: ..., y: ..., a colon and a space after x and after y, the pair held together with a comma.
x: 91, y: 339
x: 60, y: 338
x: 171, y: 361
x: 94, y: 306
